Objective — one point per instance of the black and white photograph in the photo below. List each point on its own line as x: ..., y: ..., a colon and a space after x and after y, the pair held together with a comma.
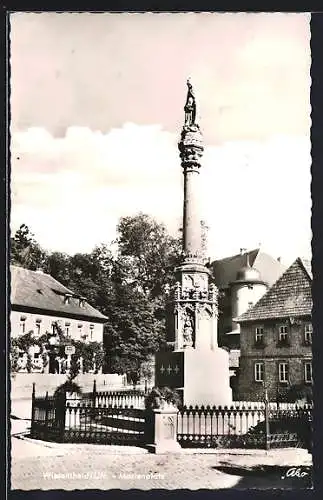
x: 160, y: 251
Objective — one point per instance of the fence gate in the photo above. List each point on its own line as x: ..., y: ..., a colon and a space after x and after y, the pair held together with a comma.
x: 48, y: 419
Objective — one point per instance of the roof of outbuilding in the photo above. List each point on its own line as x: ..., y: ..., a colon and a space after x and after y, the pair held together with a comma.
x: 290, y: 296
x: 225, y: 270
x: 39, y: 290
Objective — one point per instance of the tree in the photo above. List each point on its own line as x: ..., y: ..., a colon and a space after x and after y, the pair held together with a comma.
x: 133, y: 333
x: 25, y: 251
x: 127, y: 286
x: 148, y: 251
x: 58, y: 266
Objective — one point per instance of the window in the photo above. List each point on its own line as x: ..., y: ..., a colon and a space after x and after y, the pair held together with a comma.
x: 22, y: 324
x: 259, y: 335
x: 36, y: 355
x: 67, y: 329
x: 283, y: 373
x: 38, y: 322
x: 80, y: 326
x: 91, y: 331
x: 308, y: 372
x: 259, y: 372
x: 308, y: 333
x: 283, y: 334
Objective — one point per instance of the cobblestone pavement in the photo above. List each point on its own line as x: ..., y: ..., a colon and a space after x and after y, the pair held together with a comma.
x: 40, y: 465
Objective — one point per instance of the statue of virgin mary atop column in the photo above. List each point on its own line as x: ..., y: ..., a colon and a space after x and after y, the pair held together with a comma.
x: 190, y: 106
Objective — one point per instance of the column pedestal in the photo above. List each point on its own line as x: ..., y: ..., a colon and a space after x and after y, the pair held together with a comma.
x: 202, y: 376
x: 165, y: 432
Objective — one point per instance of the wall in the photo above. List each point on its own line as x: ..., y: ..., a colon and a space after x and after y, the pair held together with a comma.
x: 21, y: 383
x: 95, y: 333
x: 295, y: 354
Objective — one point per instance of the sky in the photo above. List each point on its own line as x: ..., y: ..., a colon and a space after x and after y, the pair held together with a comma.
x: 97, y: 109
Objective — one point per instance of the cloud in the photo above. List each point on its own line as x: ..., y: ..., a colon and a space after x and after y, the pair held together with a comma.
x: 71, y: 191
x: 251, y: 71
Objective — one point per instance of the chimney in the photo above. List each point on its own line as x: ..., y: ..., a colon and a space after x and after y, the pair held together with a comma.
x: 279, y: 259
x: 39, y: 270
x: 242, y: 251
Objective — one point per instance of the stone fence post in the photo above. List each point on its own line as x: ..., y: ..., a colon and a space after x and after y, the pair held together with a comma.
x: 164, y: 431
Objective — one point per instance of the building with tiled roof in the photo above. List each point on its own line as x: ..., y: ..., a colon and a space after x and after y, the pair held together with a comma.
x: 225, y: 270
x: 235, y: 278
x: 39, y: 303
x: 290, y: 296
x: 276, y: 337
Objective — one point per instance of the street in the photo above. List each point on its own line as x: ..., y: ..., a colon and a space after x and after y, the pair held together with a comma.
x: 42, y: 465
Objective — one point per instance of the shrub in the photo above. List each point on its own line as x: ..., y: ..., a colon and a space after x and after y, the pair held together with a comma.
x: 160, y: 395
x: 68, y: 386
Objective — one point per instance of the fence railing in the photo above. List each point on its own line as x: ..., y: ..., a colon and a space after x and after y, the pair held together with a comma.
x: 73, y: 420
x: 121, y: 399
x: 260, y: 425
x: 120, y: 418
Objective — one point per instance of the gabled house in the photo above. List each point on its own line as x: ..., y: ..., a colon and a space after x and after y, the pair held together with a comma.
x: 276, y: 338
x: 39, y: 303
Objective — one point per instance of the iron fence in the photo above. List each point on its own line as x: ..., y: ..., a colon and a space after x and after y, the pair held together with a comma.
x: 257, y: 426
x: 73, y: 420
x: 119, y: 417
x: 103, y: 424
x: 121, y: 399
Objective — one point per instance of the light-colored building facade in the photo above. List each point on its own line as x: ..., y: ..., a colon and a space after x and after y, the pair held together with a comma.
x: 276, y: 338
x: 39, y: 304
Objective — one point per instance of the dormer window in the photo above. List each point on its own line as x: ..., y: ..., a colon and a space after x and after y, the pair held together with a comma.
x: 308, y: 330
x: 81, y: 301
x: 67, y: 298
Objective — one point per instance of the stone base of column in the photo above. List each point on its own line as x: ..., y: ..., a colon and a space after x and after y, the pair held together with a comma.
x: 164, y: 450
x: 202, y: 376
x: 165, y: 432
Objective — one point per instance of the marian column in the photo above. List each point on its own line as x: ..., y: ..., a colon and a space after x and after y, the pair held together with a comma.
x: 196, y: 365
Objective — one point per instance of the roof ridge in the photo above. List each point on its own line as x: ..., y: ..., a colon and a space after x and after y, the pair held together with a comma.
x: 42, y: 273
x: 302, y: 262
x: 237, y: 255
